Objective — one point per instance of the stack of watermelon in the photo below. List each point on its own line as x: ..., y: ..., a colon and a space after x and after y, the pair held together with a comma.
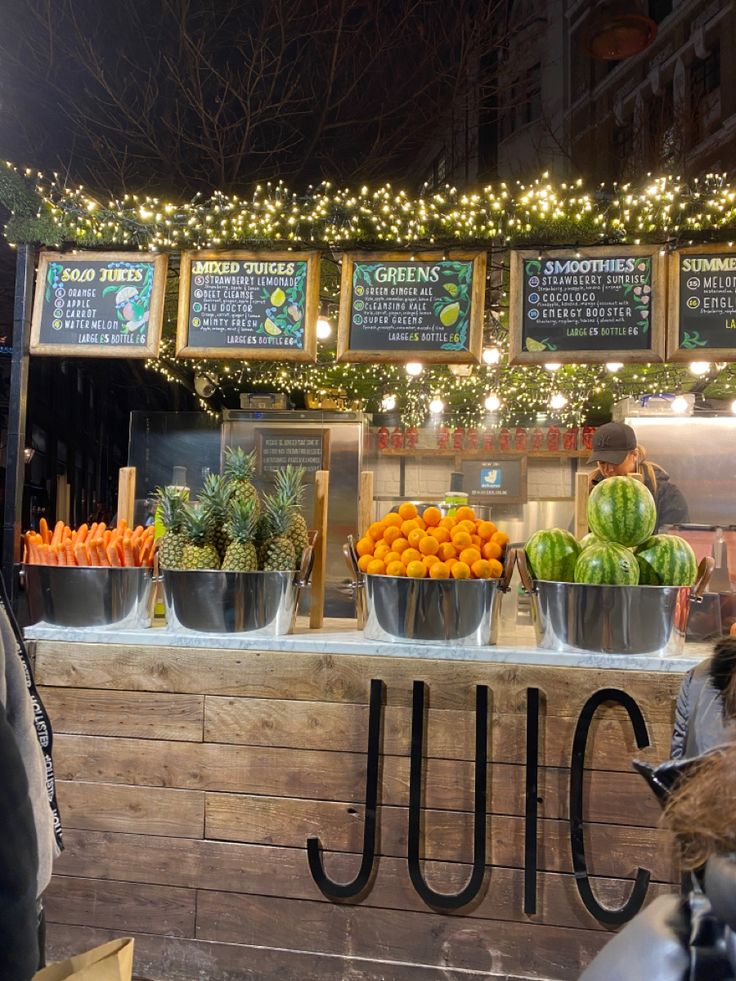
x: 620, y: 549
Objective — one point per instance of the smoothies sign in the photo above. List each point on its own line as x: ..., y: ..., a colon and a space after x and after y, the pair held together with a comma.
x: 702, y: 308
x: 248, y: 305
x: 426, y: 307
x: 98, y: 305
x: 586, y: 306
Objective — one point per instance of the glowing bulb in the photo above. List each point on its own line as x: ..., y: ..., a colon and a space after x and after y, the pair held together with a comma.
x: 492, y: 403
x: 699, y: 367
x: 491, y: 355
x: 679, y: 405
x: 388, y: 403
x: 324, y: 328
x: 614, y: 366
x: 553, y: 366
x: 436, y: 407
x: 414, y: 368
x: 557, y: 401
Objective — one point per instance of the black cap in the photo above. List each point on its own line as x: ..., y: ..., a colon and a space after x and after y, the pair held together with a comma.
x: 612, y: 443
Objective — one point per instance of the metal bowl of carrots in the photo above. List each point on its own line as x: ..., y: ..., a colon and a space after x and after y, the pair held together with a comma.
x: 93, y: 576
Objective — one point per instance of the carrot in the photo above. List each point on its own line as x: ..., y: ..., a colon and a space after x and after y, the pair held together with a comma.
x: 53, y: 555
x: 102, y: 558
x: 69, y: 551
x: 66, y: 533
x: 80, y: 554
x: 92, y: 532
x: 58, y: 532
x: 106, y: 536
x: 43, y: 527
x: 91, y: 553
x: 82, y: 532
x: 122, y: 525
x: 101, y: 528
x: 112, y: 554
x: 137, y: 533
x: 129, y: 555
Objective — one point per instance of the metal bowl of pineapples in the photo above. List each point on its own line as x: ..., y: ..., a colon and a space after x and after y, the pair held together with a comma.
x: 235, y: 562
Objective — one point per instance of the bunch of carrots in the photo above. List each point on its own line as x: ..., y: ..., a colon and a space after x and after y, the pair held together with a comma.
x: 89, y: 545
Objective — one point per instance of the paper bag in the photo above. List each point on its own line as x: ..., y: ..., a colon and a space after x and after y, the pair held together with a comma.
x: 112, y: 961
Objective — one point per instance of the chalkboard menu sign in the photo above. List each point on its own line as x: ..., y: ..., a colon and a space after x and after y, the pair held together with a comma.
x: 308, y: 448
x: 98, y: 304
x: 252, y: 306
x: 702, y: 307
x: 421, y: 307
x: 588, y: 305
x: 501, y: 480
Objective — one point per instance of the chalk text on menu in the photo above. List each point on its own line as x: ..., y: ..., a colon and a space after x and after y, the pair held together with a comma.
x: 707, y: 301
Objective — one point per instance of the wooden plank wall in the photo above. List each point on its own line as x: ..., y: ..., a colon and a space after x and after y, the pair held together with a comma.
x: 189, y: 781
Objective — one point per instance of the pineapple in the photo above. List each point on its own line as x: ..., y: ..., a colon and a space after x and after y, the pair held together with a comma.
x: 288, y: 483
x: 241, y: 555
x: 198, y: 552
x: 214, y: 500
x: 171, y: 508
x: 277, y: 551
x: 239, y: 469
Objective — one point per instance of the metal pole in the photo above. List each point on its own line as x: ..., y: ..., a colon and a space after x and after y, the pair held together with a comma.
x: 15, y: 456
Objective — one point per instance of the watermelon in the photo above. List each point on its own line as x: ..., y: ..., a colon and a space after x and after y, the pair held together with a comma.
x: 607, y: 563
x: 552, y: 555
x: 589, y: 539
x: 622, y: 510
x: 666, y: 560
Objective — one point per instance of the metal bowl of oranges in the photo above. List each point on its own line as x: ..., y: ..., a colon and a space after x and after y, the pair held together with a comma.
x: 423, y: 576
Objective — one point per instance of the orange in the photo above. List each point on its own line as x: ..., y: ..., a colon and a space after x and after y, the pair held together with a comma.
x: 461, y: 539
x: 376, y: 568
x: 416, y: 570
x: 496, y: 569
x: 439, y: 571
x: 481, y: 569
x: 376, y: 530
x: 391, y: 557
x: 395, y: 569
x: 421, y: 523
x: 460, y: 570
x: 447, y: 551
x: 450, y: 563
x: 448, y: 522
x: 468, y: 526
x: 415, y: 536
x: 492, y: 550
x: 391, y: 534
x: 364, y: 561
x: 399, y: 545
x: 365, y: 546
x: 429, y: 545
x: 407, y: 510
x: 381, y: 550
x: 392, y: 520
x: 469, y: 556
x: 465, y: 514
x: 441, y: 534
x: 476, y: 540
x: 430, y: 560
x: 486, y: 529
x: 500, y: 538
x: 432, y: 516
x: 411, y: 555
x: 409, y: 525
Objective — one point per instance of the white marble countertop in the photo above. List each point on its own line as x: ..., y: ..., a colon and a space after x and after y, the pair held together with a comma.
x: 516, y: 646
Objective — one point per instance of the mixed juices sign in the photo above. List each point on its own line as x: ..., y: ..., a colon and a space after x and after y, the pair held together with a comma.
x: 423, y: 307
x: 94, y: 304
x: 702, y: 304
x: 248, y: 305
x: 588, y: 305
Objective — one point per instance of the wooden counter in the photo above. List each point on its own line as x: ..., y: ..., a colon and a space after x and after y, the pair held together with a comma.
x: 190, y: 780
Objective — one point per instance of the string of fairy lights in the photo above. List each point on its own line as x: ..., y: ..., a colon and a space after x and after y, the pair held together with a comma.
x: 667, y: 210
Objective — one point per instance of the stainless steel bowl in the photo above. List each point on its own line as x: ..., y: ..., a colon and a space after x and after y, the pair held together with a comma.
x: 66, y: 596
x: 582, y: 619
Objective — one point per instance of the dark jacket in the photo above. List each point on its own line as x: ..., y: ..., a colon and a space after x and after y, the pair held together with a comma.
x: 671, y: 504
x: 699, y: 716
x: 18, y: 865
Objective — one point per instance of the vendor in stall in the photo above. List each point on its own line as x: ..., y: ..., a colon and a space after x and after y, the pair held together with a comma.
x: 617, y: 454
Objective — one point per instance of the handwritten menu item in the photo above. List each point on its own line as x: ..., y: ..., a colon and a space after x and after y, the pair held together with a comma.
x: 248, y: 305
x: 308, y: 448
x: 702, y: 307
x: 98, y: 304
x: 399, y: 307
x: 500, y: 480
x: 587, y: 305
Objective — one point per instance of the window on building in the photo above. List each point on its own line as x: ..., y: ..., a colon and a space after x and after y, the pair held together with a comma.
x: 705, y: 75
x: 659, y: 9
x: 532, y: 108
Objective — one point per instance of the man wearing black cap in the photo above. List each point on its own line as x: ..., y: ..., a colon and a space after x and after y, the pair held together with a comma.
x: 617, y: 454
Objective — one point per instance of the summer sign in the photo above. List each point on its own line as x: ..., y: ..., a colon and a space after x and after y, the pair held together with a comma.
x: 425, y: 307
x: 249, y: 305
x: 702, y: 303
x: 601, y: 304
x: 94, y: 304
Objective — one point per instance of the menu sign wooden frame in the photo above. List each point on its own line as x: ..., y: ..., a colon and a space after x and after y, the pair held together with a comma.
x: 98, y: 304
x: 308, y: 448
x: 587, y: 305
x: 255, y: 306
x: 425, y: 306
x: 702, y: 303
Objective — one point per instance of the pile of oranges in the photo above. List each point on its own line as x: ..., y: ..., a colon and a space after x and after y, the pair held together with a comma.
x: 430, y: 546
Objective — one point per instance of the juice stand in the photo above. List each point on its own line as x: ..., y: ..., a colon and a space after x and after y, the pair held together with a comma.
x: 323, y: 802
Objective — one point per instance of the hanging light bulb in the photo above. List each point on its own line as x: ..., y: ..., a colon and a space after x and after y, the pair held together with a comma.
x: 324, y: 328
x: 388, y: 403
x: 491, y: 355
x: 699, y: 368
x: 492, y: 403
x: 679, y: 405
x: 414, y: 368
x: 557, y: 401
x: 614, y: 366
x: 436, y: 406
x: 552, y: 366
